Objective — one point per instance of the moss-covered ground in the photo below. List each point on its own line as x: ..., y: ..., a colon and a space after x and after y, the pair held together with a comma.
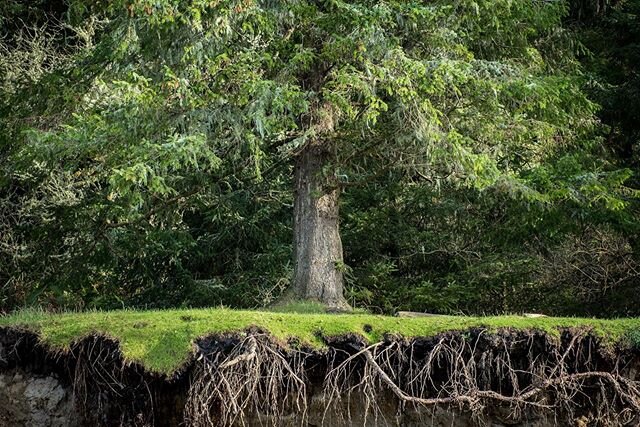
x: 162, y: 340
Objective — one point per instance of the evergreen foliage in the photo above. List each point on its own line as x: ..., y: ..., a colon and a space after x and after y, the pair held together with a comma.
x: 486, y: 152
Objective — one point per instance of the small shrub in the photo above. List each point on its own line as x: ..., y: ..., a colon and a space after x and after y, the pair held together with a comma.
x: 634, y: 338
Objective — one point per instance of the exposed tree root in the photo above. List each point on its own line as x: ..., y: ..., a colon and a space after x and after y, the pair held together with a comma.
x: 107, y: 389
x: 255, y: 376
x: 456, y: 372
x: 250, y: 379
x: 513, y: 374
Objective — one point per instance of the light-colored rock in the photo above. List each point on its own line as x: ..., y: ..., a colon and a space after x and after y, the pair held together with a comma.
x: 35, y: 401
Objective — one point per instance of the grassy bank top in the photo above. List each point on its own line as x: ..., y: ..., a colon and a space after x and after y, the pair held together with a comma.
x: 162, y: 340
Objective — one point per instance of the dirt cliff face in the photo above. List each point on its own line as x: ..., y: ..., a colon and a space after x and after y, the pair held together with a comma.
x: 28, y: 399
x: 469, y: 378
x: 32, y: 400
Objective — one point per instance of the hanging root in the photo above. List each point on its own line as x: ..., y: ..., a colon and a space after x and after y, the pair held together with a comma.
x: 105, y: 388
x: 483, y: 374
x: 507, y: 376
x: 254, y: 377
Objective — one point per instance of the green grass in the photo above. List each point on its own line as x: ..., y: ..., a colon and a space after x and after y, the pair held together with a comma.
x: 303, y: 307
x: 162, y: 340
x: 306, y: 307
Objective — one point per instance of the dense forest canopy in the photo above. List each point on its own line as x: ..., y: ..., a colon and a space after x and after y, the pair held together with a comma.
x: 444, y: 156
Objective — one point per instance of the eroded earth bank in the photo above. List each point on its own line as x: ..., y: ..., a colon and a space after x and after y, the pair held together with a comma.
x: 504, y: 378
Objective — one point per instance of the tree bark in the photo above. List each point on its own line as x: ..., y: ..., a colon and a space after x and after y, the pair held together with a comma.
x: 318, y: 247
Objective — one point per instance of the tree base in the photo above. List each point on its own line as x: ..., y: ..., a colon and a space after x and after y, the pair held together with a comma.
x: 291, y: 302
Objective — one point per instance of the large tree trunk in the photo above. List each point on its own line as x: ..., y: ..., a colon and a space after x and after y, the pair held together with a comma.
x: 318, y: 248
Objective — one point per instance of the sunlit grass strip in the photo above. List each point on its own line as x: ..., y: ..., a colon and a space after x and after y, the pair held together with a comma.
x: 161, y: 340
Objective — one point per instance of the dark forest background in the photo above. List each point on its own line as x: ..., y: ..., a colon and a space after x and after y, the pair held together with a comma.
x: 411, y: 242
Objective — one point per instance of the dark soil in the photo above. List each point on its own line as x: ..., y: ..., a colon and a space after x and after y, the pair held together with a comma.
x: 294, y: 385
